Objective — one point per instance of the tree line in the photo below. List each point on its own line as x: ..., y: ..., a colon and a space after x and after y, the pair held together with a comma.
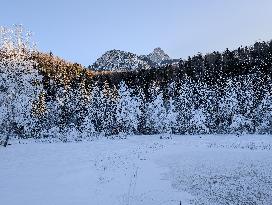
x: 43, y: 96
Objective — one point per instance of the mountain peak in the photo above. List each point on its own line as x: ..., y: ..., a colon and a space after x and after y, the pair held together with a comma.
x: 158, y: 55
x: 119, y: 60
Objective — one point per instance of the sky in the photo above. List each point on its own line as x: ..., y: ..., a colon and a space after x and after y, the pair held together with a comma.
x: 82, y: 30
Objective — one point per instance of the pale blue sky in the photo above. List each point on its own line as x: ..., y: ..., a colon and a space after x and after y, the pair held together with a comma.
x: 82, y: 30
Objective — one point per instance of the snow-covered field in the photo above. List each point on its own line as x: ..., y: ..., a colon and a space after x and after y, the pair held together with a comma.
x: 139, y: 170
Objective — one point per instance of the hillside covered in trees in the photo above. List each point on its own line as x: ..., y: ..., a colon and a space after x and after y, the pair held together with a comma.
x: 43, y: 96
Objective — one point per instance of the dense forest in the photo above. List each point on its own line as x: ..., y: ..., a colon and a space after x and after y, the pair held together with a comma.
x: 43, y: 96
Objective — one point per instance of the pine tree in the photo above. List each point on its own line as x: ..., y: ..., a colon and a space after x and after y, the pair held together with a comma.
x: 228, y: 107
x: 20, y: 88
x: 264, y: 115
x: 96, y: 108
x: 184, y: 105
x: 170, y: 124
x: 156, y: 114
x: 198, y: 122
x: 109, y: 101
x: 87, y: 128
x: 243, y: 120
x: 128, y: 110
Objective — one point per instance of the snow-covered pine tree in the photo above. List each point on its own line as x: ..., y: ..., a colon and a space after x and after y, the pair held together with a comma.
x: 264, y: 115
x: 54, y: 122
x: 184, y: 105
x: 228, y: 107
x: 128, y: 110
x: 40, y: 113
x: 109, y: 103
x: 248, y: 103
x: 242, y: 120
x: 102, y: 109
x: 156, y: 113
x: 64, y: 104
x: 142, y: 118
x: 240, y: 124
x: 96, y: 108
x: 210, y: 105
x: 81, y: 102
x: 77, y: 107
x: 170, y: 124
x: 87, y: 128
x: 198, y: 122
x: 71, y: 133
x: 20, y: 85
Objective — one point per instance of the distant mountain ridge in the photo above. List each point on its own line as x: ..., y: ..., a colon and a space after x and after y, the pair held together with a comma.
x: 117, y: 60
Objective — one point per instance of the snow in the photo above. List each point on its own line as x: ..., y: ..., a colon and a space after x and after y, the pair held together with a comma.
x: 139, y: 170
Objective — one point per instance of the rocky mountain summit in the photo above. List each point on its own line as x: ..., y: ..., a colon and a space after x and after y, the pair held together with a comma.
x: 114, y: 60
x: 117, y: 60
x: 158, y: 56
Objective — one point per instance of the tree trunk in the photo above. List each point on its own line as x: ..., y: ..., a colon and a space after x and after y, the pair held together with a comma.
x: 6, y: 141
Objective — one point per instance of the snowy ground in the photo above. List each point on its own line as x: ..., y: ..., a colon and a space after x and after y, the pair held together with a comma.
x: 140, y: 170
